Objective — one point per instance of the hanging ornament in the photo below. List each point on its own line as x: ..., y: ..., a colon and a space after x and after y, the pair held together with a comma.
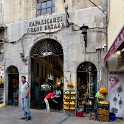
x: 120, y: 103
x: 115, y: 100
x: 119, y: 90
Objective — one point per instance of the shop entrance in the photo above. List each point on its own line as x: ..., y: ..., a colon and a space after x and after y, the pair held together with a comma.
x: 13, y: 85
x: 46, y: 71
x: 86, y: 86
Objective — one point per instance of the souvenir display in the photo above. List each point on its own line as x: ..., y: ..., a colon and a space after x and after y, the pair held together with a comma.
x: 69, y: 100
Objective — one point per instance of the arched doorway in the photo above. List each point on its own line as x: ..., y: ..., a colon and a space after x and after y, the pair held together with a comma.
x: 13, y: 85
x: 87, y: 84
x: 46, y: 70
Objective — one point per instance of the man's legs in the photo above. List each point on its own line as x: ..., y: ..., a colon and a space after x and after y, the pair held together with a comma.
x: 47, y: 105
x: 58, y: 100
x: 22, y: 106
x: 26, y: 107
x: 54, y: 103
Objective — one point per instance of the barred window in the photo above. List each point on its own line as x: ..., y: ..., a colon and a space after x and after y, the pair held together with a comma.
x: 45, y: 7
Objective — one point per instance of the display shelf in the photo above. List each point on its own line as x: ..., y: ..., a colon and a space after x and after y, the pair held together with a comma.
x: 103, y: 118
x: 69, y: 96
x: 103, y: 106
x: 69, y: 104
x: 103, y: 112
x: 69, y: 99
x: 69, y: 109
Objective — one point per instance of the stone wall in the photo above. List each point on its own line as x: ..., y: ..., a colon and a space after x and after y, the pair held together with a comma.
x: 18, y: 10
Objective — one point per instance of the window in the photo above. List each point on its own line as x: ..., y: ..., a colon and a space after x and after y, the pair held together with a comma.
x: 45, y: 7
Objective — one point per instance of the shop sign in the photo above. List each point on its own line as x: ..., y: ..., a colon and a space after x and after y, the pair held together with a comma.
x: 116, y: 93
x: 116, y: 44
x: 50, y: 24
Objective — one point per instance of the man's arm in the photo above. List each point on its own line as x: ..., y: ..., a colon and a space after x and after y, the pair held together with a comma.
x: 54, y: 100
x: 27, y: 92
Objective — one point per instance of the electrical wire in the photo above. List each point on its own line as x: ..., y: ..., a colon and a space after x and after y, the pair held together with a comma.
x: 109, y: 10
x: 57, y: 30
x: 34, y: 33
x: 97, y: 7
x: 29, y: 9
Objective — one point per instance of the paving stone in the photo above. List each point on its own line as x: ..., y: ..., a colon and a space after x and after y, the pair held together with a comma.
x: 12, y: 115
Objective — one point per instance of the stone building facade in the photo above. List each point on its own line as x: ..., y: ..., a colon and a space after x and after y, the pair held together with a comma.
x: 25, y: 30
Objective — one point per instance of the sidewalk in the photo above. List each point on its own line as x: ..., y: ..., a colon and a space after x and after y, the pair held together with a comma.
x: 11, y: 115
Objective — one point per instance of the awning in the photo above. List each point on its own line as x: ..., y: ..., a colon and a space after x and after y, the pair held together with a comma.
x: 117, y: 44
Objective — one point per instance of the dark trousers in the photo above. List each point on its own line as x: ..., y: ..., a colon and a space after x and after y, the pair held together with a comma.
x: 59, y: 102
x: 52, y: 104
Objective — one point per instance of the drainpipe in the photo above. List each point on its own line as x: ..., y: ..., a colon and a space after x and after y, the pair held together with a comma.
x: 106, y: 65
x: 107, y: 25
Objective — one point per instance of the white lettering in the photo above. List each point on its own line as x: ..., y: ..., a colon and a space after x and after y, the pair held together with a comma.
x: 111, y: 50
x: 117, y: 42
x: 46, y: 24
x: 122, y: 35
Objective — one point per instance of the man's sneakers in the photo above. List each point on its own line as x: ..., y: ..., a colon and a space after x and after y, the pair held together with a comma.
x: 27, y: 119
x: 22, y: 118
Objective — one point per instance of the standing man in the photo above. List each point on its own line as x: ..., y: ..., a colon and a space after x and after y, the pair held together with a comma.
x: 25, y: 99
x: 58, y: 96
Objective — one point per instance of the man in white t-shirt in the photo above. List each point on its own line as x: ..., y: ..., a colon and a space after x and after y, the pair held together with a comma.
x: 58, y: 95
x: 25, y: 99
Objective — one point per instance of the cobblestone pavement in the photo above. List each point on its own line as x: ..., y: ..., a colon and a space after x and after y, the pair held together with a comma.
x: 11, y: 115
